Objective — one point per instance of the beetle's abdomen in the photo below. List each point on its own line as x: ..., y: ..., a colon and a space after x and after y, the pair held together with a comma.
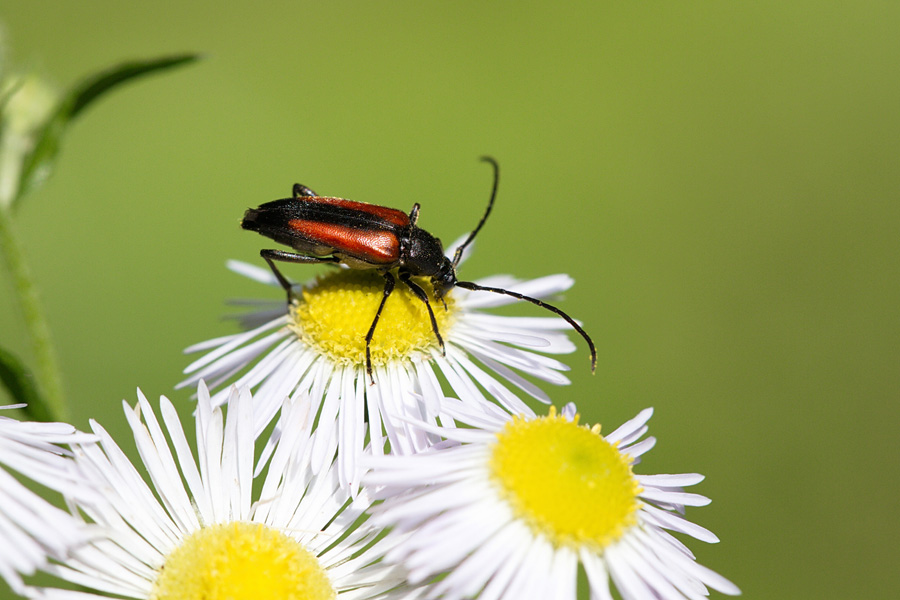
x: 370, y: 214
x: 321, y: 226
x: 375, y: 246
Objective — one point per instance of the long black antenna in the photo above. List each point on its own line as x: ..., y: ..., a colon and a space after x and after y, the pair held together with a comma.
x: 458, y: 255
x: 480, y: 288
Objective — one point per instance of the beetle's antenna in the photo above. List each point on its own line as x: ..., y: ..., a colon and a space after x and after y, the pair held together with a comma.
x: 480, y: 288
x: 458, y: 255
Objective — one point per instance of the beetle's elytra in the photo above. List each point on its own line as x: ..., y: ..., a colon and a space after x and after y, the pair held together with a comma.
x: 323, y: 229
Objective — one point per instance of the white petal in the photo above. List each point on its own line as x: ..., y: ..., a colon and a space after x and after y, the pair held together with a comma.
x: 253, y: 272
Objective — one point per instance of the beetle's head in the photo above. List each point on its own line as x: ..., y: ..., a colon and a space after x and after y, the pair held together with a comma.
x: 445, y: 279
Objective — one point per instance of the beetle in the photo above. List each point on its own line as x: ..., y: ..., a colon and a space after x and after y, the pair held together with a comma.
x: 329, y: 230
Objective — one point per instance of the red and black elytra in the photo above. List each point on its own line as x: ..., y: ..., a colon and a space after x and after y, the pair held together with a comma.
x: 330, y: 230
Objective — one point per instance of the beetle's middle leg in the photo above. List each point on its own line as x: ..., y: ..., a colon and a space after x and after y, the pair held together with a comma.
x: 405, y: 277
x: 272, y: 255
x: 388, y: 288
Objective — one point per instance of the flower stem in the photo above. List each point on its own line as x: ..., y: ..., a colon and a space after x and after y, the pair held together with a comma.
x: 25, y: 290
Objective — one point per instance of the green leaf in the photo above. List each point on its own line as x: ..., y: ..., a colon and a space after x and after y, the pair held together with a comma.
x: 16, y: 378
x: 38, y: 164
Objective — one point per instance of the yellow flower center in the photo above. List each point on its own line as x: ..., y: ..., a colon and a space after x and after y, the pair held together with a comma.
x: 335, y: 312
x: 565, y: 480
x: 241, y: 561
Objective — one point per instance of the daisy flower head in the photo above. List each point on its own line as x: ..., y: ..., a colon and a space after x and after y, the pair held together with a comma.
x: 31, y: 529
x: 509, y: 508
x: 195, y: 528
x: 316, y: 348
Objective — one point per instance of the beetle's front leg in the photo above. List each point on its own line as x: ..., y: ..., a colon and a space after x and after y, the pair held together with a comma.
x: 272, y: 255
x: 388, y: 288
x: 406, y: 278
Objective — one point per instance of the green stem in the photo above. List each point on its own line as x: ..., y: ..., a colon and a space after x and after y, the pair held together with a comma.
x: 35, y: 323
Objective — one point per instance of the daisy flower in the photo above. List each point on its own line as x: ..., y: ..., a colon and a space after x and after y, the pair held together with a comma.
x: 510, y: 508
x: 194, y: 528
x: 32, y: 529
x: 315, y: 349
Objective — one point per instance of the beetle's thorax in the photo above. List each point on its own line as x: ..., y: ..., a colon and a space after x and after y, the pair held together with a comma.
x: 421, y: 253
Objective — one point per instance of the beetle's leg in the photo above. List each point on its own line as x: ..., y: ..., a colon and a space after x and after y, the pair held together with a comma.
x: 469, y: 285
x: 420, y: 293
x: 388, y: 288
x: 272, y: 255
x: 301, y: 190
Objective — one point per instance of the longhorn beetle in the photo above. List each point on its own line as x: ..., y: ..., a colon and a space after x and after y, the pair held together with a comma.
x: 330, y: 230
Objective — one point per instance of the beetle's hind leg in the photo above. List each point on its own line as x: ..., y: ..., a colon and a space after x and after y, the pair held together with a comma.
x: 388, y: 288
x: 406, y: 278
x: 299, y: 191
x: 272, y: 255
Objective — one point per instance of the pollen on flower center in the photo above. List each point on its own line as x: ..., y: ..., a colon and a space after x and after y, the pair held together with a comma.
x: 565, y: 480
x: 241, y: 561
x: 335, y: 312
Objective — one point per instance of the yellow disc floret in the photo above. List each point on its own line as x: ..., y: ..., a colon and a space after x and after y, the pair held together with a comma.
x: 241, y: 561
x: 565, y: 480
x: 335, y: 313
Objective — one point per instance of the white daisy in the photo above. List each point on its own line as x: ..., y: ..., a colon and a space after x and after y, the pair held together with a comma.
x: 32, y: 529
x: 316, y: 349
x: 509, y: 510
x: 194, y: 530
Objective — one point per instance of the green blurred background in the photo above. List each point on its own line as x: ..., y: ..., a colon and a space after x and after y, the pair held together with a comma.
x: 721, y: 179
